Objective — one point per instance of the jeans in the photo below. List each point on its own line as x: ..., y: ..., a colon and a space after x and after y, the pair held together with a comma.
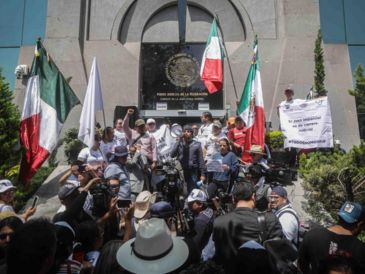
x: 191, y: 177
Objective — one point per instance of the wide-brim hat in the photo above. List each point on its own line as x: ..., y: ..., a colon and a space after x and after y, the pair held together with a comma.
x: 161, y: 253
x: 143, y: 202
x: 256, y: 149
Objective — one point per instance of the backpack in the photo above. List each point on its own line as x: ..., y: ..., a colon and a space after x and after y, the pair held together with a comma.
x: 303, y: 228
x: 281, y: 252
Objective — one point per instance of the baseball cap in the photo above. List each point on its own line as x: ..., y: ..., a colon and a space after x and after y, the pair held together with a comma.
x: 139, y: 122
x: 197, y: 195
x: 150, y: 121
x: 280, y: 191
x: 217, y: 124
x: 66, y: 190
x: 351, y: 212
x: 6, y: 185
x: 120, y: 151
x: 161, y: 209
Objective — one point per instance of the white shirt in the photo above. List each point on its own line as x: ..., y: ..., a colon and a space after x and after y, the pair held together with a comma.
x: 120, y: 139
x: 204, y: 131
x: 91, y: 157
x: 212, y: 144
x: 289, y: 223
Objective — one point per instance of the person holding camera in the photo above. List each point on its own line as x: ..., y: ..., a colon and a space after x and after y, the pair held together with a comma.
x: 73, y: 198
x: 117, y: 169
x: 241, y: 225
x: 189, y: 153
x: 203, y: 218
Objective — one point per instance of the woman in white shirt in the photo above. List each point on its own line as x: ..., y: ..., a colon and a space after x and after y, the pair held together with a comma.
x: 92, y: 156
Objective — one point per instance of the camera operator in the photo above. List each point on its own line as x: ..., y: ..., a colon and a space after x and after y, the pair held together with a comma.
x: 73, y: 198
x: 189, y: 153
x: 117, y: 169
x: 241, y: 225
x: 203, y: 218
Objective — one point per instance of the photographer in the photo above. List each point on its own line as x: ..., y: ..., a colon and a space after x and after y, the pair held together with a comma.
x: 203, y: 218
x: 117, y: 169
x: 73, y: 198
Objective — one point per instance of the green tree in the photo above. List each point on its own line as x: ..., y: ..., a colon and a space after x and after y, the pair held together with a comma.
x: 9, y: 129
x: 319, y: 74
x: 359, y: 93
x: 329, y: 179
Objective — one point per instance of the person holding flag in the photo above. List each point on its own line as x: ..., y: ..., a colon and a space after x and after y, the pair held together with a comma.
x: 251, y: 107
x: 47, y: 103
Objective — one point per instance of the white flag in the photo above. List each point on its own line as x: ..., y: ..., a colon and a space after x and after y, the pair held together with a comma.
x: 93, y: 102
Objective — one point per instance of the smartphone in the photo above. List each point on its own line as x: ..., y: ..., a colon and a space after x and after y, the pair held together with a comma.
x: 124, y: 203
x: 35, y: 200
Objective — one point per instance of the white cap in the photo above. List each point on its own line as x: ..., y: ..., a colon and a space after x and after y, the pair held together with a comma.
x: 150, y: 121
x: 337, y: 142
x: 197, y: 195
x: 6, y: 185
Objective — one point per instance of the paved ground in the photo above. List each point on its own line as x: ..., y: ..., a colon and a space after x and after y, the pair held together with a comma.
x: 296, y: 197
x: 48, y: 202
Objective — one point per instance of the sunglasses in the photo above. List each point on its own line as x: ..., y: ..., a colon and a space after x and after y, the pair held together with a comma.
x: 5, y: 235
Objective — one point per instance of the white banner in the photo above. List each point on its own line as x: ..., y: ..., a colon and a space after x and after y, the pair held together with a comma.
x: 307, y: 123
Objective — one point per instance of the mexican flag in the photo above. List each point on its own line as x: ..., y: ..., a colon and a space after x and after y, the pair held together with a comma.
x: 251, y: 106
x: 211, y: 70
x: 48, y: 100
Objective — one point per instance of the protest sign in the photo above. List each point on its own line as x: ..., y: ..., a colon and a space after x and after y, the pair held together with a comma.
x: 307, y: 123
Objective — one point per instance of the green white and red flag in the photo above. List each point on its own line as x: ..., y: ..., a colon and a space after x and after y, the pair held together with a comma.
x: 251, y: 106
x: 211, y: 70
x: 47, y: 103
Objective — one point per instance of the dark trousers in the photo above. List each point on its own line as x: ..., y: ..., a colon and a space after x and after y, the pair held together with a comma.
x: 191, y: 177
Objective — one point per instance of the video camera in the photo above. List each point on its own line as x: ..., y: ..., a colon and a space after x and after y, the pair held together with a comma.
x: 172, y: 185
x: 102, y: 195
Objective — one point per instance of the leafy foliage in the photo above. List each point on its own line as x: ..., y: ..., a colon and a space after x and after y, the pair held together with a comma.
x: 9, y: 128
x: 319, y: 73
x: 72, y: 145
x: 23, y: 194
x: 326, y: 176
x: 359, y: 93
x: 275, y: 139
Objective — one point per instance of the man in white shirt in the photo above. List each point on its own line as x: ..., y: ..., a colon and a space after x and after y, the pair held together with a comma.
x: 286, y: 214
x: 206, y: 128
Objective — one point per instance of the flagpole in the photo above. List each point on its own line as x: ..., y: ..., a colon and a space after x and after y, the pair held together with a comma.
x: 226, y: 54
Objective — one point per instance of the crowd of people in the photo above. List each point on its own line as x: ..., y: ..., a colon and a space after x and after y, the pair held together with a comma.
x: 174, y: 200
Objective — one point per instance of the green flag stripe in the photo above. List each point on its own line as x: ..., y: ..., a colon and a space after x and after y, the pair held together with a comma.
x: 54, y: 90
x: 246, y: 94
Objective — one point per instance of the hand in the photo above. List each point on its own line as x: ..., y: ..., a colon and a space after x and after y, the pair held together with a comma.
x: 91, y: 184
x: 128, y: 213
x: 138, y: 147
x: 29, y: 212
x: 113, y: 207
x: 202, y: 178
x: 130, y: 111
x: 154, y: 165
x: 225, y: 167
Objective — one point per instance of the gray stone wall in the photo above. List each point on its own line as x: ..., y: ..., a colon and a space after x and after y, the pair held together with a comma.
x: 112, y: 30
